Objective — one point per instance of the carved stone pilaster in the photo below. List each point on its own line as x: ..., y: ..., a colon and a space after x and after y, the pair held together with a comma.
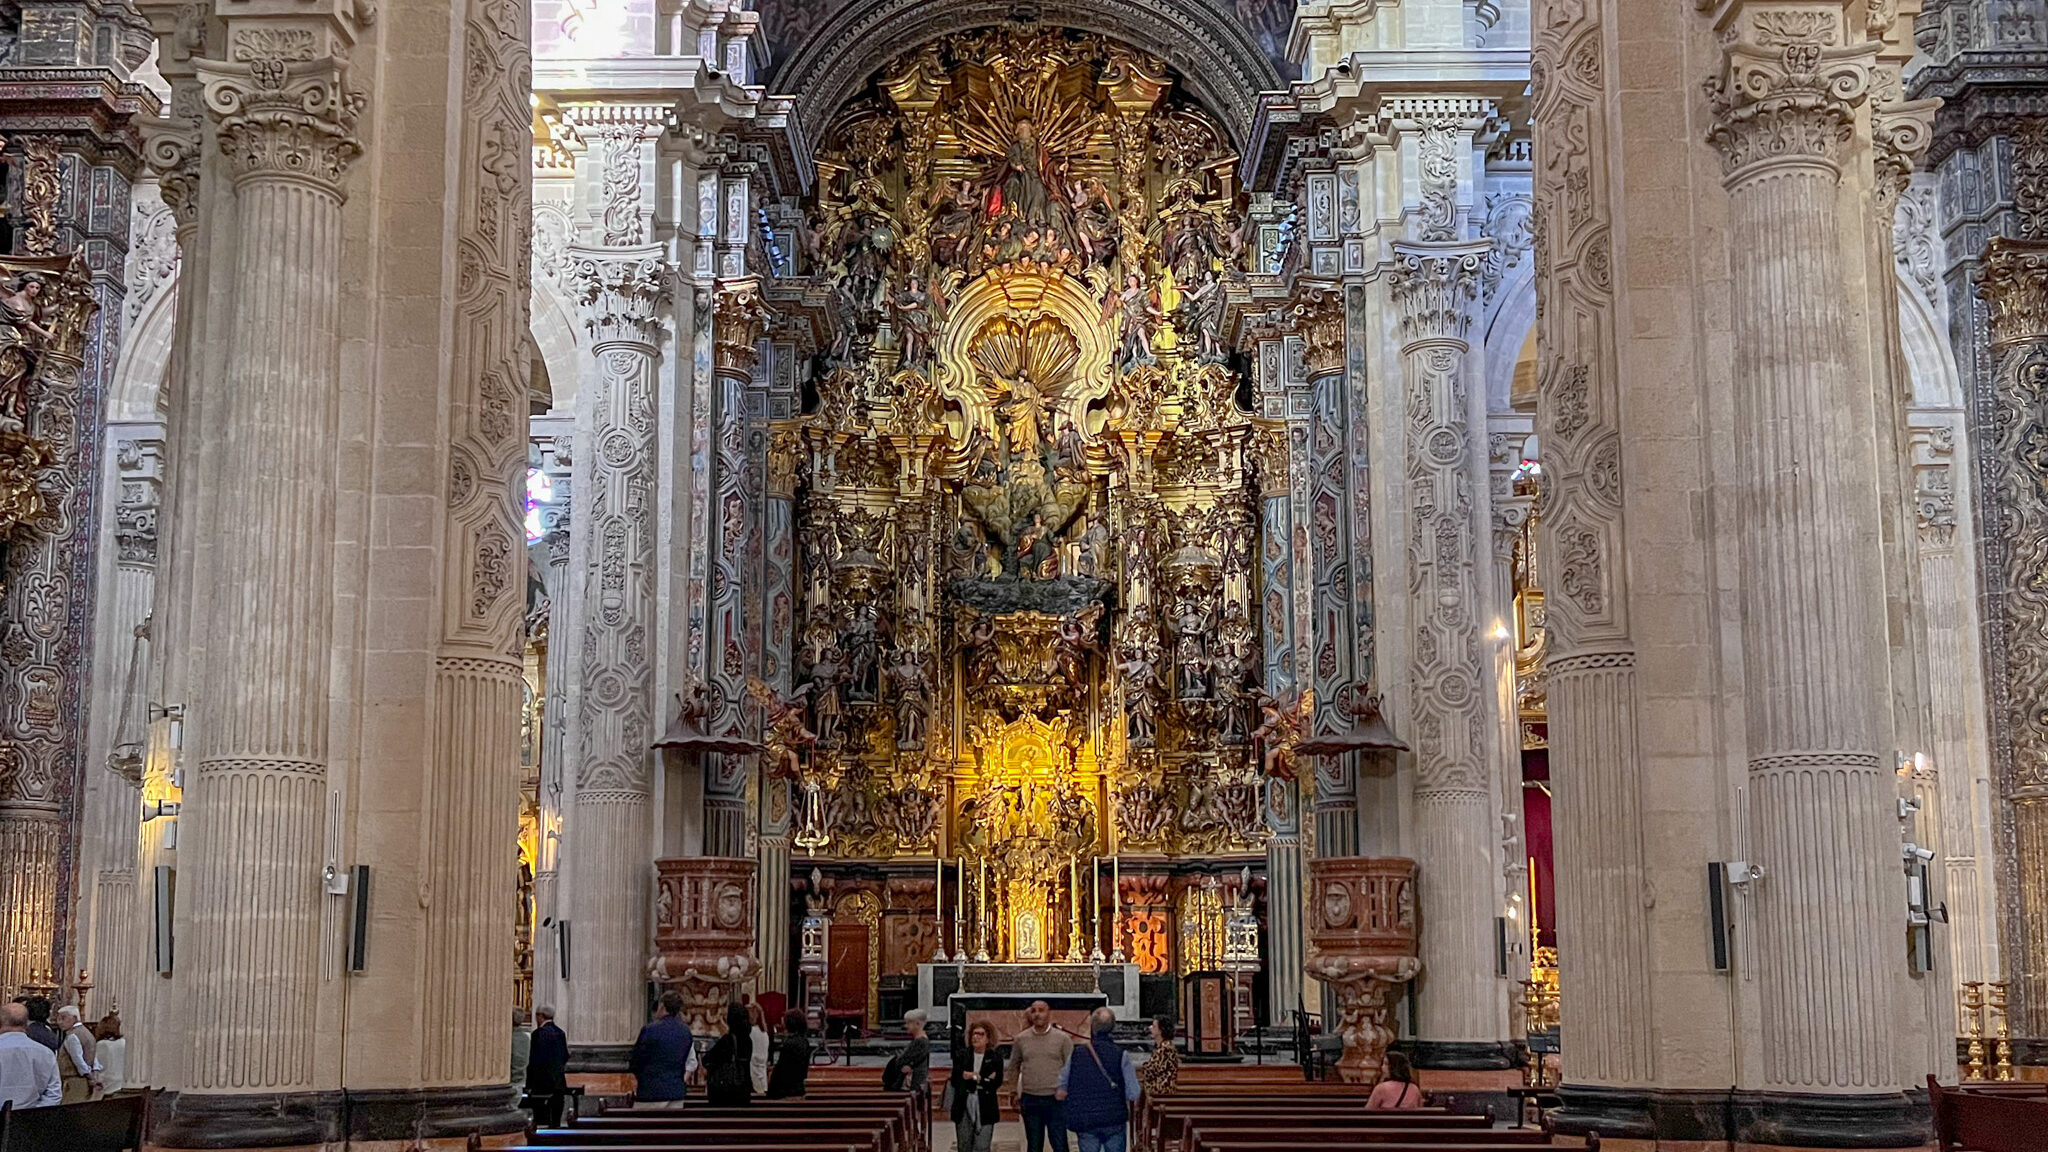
x: 141, y: 476
x: 1934, y: 487
x: 1318, y: 316
x: 2014, y: 282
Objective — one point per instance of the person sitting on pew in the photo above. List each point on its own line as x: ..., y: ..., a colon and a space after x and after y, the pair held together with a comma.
x: 977, y: 1074
x: 728, y: 1075
x: 661, y: 1057
x: 1397, y: 1088
x: 793, y: 1063
x: 1160, y: 1073
x: 1099, y: 1085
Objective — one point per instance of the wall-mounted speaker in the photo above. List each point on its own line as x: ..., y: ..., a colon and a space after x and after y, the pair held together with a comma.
x: 164, y: 898
x: 1717, y: 912
x: 359, y: 927
x: 562, y: 946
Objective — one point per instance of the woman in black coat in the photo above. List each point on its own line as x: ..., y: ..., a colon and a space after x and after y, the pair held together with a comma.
x: 977, y: 1074
x: 793, y: 1063
x: 728, y: 1082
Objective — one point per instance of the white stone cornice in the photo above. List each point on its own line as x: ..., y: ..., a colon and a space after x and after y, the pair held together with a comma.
x: 1435, y: 286
x: 285, y: 119
x: 622, y: 292
x: 1358, y: 84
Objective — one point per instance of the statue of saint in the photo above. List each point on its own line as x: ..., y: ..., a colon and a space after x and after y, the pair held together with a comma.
x: 1022, y: 186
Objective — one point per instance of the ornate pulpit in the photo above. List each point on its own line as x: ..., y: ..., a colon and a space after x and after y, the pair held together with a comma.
x: 704, y: 934
x: 1362, y: 942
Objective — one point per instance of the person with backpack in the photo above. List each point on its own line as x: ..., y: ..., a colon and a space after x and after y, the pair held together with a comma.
x: 728, y: 1067
x: 1098, y: 1086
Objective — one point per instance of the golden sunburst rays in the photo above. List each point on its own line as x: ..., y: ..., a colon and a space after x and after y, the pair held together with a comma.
x: 1037, y: 81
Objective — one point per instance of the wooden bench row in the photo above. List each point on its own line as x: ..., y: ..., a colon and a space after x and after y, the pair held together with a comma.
x: 2005, y: 1120
x: 828, y: 1120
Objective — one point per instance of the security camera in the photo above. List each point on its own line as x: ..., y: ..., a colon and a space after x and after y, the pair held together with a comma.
x: 1344, y: 67
x: 1916, y: 852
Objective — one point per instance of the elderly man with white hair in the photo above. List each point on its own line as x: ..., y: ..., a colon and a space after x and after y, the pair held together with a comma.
x: 28, y: 1071
x: 912, y: 1067
x: 75, y: 1060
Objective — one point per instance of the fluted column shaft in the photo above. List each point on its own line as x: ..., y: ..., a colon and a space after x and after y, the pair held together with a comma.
x: 2015, y: 550
x: 1821, y: 798
x: 472, y: 800
x: 1590, y: 664
x: 1451, y: 697
x: 256, y: 803
x: 609, y: 843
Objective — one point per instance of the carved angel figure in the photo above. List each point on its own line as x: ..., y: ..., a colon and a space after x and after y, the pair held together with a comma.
x: 1283, y: 724
x: 22, y: 333
x: 783, y: 727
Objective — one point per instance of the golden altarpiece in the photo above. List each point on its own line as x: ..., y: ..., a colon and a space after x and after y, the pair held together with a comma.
x: 1025, y: 490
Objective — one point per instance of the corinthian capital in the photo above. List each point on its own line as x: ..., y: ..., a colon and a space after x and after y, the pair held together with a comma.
x: 285, y: 119
x: 1900, y: 132
x: 2014, y: 281
x: 1318, y: 315
x: 1789, y: 84
x: 623, y: 292
x: 1434, y: 286
x: 741, y: 317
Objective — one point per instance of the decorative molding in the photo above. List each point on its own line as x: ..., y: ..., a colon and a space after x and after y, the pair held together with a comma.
x: 742, y: 318
x: 1934, y: 486
x: 1434, y: 286
x: 1788, y: 89
x: 623, y: 293
x: 1318, y: 316
x: 285, y: 118
x: 140, y: 475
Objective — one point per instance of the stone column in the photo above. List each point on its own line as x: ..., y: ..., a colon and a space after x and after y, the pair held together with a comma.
x: 1821, y: 797
x: 1451, y: 683
x: 2015, y: 283
x: 1596, y: 771
x: 1318, y: 316
x: 471, y: 807
x: 609, y: 842
x: 1284, y: 940
x: 113, y: 821
x: 256, y: 804
x: 559, y: 719
x: 771, y: 933
x: 739, y: 321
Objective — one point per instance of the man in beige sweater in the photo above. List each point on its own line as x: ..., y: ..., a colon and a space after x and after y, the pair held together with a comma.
x: 1037, y: 1055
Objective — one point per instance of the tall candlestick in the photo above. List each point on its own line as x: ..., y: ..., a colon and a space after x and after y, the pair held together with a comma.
x: 1116, y: 909
x: 981, y: 916
x: 939, y: 904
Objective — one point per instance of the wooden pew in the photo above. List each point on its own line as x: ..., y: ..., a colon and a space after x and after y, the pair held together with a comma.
x: 1967, y: 1121
x: 1162, y: 1121
x: 1205, y: 1137
x: 111, y: 1125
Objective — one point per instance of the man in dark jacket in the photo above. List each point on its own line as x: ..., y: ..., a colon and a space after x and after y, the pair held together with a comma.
x: 661, y: 1057
x: 1099, y: 1086
x: 547, y: 1070
x: 39, y: 1029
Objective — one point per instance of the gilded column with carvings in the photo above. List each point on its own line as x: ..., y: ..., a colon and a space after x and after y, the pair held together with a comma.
x: 1590, y: 665
x: 1821, y: 797
x: 255, y: 836
x: 624, y: 293
x: 1434, y: 287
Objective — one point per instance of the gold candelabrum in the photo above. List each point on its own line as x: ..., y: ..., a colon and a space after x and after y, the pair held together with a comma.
x: 1987, y: 1032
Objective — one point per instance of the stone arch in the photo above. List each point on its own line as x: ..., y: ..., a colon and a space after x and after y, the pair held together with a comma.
x: 556, y: 341
x: 1217, y: 57
x: 1932, y: 371
x: 1509, y: 329
x: 142, y: 370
